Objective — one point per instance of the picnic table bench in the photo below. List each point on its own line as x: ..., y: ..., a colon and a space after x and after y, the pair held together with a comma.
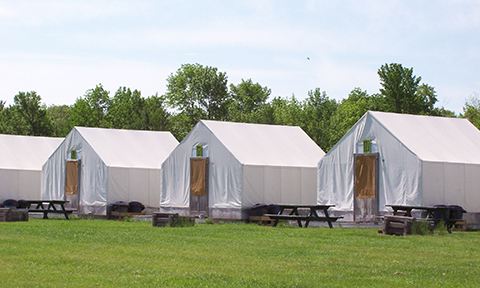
x: 431, y: 213
x: 48, y: 207
x: 312, y: 214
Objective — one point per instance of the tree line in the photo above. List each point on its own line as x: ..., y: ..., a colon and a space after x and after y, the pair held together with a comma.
x: 196, y: 92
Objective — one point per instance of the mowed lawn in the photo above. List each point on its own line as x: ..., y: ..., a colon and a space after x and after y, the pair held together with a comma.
x: 101, y: 253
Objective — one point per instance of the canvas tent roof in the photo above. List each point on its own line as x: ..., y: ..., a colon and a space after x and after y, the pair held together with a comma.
x: 422, y: 160
x: 247, y: 164
x: 26, y: 152
x: 129, y: 148
x: 434, y: 138
x: 257, y: 144
x: 115, y: 165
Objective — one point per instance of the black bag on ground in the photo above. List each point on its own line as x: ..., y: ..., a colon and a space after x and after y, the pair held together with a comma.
x: 22, y: 204
x: 10, y: 203
x: 135, y: 207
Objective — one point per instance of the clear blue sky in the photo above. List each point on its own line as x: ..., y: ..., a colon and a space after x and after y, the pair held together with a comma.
x: 63, y: 48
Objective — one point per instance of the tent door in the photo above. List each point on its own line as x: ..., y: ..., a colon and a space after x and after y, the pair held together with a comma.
x: 72, y: 183
x: 366, y: 187
x: 199, y: 186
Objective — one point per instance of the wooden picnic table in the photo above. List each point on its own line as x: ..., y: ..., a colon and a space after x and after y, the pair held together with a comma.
x: 431, y: 211
x: 48, y: 206
x: 312, y: 214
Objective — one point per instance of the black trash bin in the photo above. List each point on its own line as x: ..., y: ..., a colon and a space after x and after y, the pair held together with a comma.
x: 120, y: 206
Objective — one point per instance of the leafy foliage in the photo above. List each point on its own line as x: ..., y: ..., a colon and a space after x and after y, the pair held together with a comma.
x: 402, y: 91
x: 199, y: 92
x: 472, y: 110
x: 26, y: 117
x: 59, y: 116
x: 196, y: 92
x: 91, y: 110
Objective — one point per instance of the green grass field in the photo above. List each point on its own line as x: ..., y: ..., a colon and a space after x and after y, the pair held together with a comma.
x: 100, y: 253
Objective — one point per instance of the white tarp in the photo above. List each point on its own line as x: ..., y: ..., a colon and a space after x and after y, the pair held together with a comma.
x: 424, y: 160
x: 21, y: 160
x: 248, y: 164
x: 115, y: 165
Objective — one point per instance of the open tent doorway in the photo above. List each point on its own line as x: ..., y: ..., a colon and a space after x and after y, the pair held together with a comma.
x: 366, y: 187
x: 199, y: 186
x: 72, y: 183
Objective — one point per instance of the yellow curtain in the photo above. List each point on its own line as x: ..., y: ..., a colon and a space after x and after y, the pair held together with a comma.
x: 365, y: 176
x: 71, y: 178
x: 197, y: 176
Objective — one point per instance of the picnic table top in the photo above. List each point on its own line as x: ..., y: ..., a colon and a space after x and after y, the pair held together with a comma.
x: 304, y: 206
x: 47, y: 201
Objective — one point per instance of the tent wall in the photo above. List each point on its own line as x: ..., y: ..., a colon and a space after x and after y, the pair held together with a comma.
x: 451, y: 184
x: 19, y: 184
x: 93, y: 174
x: 116, y: 165
x: 279, y: 185
x: 21, y: 160
x: 224, y: 173
x: 134, y: 184
x: 399, y: 169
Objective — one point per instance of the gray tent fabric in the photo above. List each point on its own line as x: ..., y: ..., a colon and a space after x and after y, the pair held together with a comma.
x: 21, y: 160
x: 116, y: 165
x: 423, y: 160
x: 248, y: 164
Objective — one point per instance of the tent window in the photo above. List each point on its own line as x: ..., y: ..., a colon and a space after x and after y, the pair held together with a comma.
x: 367, y: 146
x: 362, y: 149
x: 196, y: 150
x: 199, y: 151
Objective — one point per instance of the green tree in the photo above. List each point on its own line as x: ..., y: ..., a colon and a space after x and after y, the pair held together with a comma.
x: 319, y: 120
x: 30, y: 116
x: 91, y: 110
x: 287, y: 111
x: 179, y: 125
x: 127, y: 110
x: 351, y: 109
x: 442, y: 112
x: 6, y: 121
x: 402, y: 92
x: 471, y: 110
x: 59, y: 117
x: 199, y: 92
x: 157, y: 116
x: 247, y: 98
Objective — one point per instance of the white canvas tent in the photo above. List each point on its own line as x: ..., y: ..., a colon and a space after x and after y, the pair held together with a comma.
x: 245, y: 164
x: 417, y: 160
x: 21, y: 160
x: 109, y: 165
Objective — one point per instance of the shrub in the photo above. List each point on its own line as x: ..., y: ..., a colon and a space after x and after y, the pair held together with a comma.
x: 209, y: 221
